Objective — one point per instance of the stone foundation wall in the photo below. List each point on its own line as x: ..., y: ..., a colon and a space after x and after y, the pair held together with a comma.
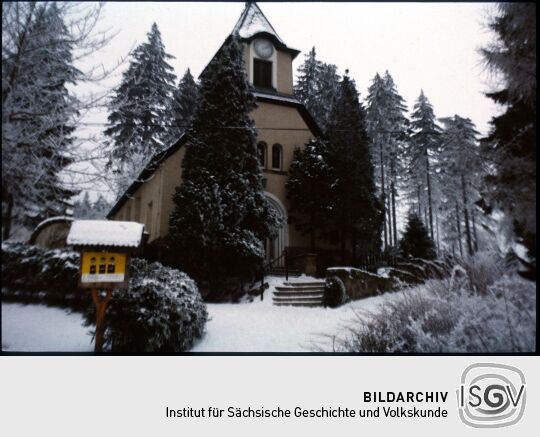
x: 360, y: 283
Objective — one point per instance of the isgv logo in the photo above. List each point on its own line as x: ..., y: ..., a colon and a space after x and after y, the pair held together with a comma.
x: 491, y: 395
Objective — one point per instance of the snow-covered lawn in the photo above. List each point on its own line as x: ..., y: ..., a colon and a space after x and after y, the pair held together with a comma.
x: 39, y: 328
x: 262, y: 327
x: 258, y: 326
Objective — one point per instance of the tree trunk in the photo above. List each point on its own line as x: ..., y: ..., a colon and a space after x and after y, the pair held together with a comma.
x: 389, y: 216
x: 430, y: 206
x: 475, y: 235
x: 419, y: 202
x: 383, y: 197
x: 466, y: 216
x: 393, y: 201
x: 7, y: 219
x: 459, y: 230
x: 394, y: 220
x: 437, y: 229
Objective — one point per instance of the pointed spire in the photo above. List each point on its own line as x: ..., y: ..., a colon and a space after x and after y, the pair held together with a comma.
x: 253, y: 21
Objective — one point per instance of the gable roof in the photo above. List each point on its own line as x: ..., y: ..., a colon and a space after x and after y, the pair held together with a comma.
x: 251, y: 24
x: 147, y: 171
x: 252, y: 21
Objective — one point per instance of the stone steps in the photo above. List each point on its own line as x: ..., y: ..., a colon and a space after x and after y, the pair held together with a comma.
x: 299, y: 303
x: 314, y: 294
x: 307, y: 288
x: 303, y: 284
x: 299, y: 293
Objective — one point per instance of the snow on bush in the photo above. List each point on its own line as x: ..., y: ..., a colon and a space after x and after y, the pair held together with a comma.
x: 334, y: 292
x: 32, y: 273
x: 479, y: 309
x: 162, y: 311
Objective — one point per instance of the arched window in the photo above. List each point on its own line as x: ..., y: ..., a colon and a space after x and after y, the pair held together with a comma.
x: 261, y: 154
x: 276, y: 156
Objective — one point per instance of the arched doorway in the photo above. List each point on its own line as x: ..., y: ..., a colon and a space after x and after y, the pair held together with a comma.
x: 275, y: 246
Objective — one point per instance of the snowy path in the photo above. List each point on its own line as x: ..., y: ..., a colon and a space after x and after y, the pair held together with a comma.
x: 39, y: 328
x: 263, y: 327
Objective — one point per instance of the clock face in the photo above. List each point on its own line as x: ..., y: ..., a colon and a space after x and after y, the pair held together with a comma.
x: 263, y: 48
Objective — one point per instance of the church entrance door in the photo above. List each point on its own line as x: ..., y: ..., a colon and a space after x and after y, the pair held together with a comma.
x: 275, y: 246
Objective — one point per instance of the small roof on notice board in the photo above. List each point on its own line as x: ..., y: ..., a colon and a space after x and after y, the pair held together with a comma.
x: 105, y: 233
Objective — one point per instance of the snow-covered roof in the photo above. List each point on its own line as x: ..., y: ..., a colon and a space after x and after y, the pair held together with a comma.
x: 59, y: 218
x: 51, y: 220
x: 105, y: 233
x: 253, y: 21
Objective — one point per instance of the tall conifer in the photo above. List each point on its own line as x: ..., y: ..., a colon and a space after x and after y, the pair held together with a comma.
x: 357, y: 213
x: 140, y: 116
x: 184, y: 104
x: 425, y: 140
x: 221, y: 217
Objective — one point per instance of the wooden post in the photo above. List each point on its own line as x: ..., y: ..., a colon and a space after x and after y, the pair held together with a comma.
x: 101, y: 306
x: 262, y: 280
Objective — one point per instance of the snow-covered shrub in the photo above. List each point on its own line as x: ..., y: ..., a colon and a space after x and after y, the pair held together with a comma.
x: 32, y: 273
x: 477, y: 310
x: 483, y: 269
x: 334, y: 292
x: 162, y: 311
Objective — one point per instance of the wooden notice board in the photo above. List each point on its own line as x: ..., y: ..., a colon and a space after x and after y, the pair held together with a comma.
x: 104, y: 269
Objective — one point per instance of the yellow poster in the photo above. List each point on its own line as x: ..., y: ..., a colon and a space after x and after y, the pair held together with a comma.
x: 103, y: 267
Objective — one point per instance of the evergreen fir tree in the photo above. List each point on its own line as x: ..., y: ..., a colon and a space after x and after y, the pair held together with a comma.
x: 328, y: 90
x: 511, y: 144
x: 357, y: 213
x: 376, y: 124
x: 316, y: 87
x: 221, y: 216
x: 424, y: 142
x: 86, y: 209
x: 459, y: 171
x: 140, y: 111
x: 82, y: 208
x: 415, y: 242
x: 306, y: 87
x: 184, y: 105
x: 388, y: 131
x: 308, y: 189
x: 42, y: 111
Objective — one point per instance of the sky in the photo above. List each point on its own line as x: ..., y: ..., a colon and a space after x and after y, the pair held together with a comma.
x: 429, y: 46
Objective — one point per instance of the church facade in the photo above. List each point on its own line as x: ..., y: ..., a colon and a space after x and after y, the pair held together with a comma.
x: 282, y: 124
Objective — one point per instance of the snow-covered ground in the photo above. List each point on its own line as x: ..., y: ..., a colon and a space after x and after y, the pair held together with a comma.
x: 262, y: 327
x: 256, y: 326
x: 39, y: 328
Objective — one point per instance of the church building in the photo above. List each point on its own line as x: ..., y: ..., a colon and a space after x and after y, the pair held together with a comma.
x: 282, y: 124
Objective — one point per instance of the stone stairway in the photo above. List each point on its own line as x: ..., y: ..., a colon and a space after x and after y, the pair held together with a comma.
x: 299, y: 293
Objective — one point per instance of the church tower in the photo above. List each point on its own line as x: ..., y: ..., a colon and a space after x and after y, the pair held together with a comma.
x: 268, y: 59
x: 282, y: 123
